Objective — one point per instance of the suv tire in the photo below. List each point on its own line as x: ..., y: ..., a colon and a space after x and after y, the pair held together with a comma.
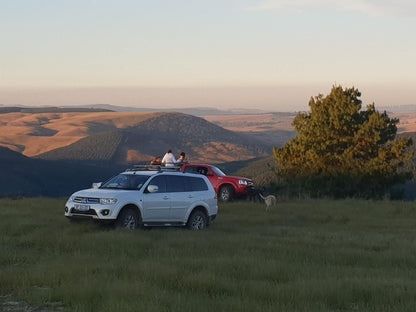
x: 128, y: 219
x: 226, y: 193
x: 197, y: 221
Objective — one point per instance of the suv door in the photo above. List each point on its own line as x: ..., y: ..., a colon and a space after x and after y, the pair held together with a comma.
x: 179, y: 198
x: 215, y: 179
x: 211, y: 175
x: 204, y: 170
x: 156, y: 206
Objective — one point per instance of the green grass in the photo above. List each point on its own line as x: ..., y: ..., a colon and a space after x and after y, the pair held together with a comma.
x: 315, y: 255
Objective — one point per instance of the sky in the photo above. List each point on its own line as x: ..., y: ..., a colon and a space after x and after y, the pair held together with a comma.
x: 266, y: 54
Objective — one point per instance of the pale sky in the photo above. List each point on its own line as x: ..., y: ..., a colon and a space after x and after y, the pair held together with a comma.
x: 271, y: 55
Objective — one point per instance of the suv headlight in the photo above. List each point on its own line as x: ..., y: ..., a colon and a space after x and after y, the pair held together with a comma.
x: 243, y: 182
x: 108, y: 201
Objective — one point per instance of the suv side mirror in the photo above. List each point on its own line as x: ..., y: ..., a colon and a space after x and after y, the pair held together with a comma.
x: 96, y: 185
x: 209, y: 174
x: 152, y: 188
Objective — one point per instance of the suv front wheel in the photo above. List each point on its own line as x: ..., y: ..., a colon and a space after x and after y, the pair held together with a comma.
x: 197, y: 221
x: 128, y: 219
x: 226, y: 193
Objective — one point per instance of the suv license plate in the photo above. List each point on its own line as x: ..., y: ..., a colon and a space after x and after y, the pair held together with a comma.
x: 80, y: 207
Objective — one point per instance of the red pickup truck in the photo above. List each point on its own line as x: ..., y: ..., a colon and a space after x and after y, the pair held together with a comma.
x: 226, y: 187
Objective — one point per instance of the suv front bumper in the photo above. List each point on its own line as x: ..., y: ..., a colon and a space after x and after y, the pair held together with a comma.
x: 94, y: 211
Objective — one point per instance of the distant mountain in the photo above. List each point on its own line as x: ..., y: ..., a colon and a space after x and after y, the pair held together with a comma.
x: 200, y: 139
x: 196, y: 111
x: 49, y: 109
x: 398, y: 108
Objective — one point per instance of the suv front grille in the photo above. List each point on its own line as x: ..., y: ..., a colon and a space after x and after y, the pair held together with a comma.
x: 90, y: 212
x: 86, y: 200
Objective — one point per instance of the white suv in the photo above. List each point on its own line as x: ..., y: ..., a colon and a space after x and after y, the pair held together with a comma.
x: 148, y: 197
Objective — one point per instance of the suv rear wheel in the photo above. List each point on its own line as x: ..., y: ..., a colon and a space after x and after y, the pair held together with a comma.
x: 128, y: 219
x: 197, y: 221
x: 226, y: 193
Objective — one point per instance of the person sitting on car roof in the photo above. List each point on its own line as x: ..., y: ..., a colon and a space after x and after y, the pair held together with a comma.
x: 169, y: 159
x: 182, y: 159
x: 156, y: 161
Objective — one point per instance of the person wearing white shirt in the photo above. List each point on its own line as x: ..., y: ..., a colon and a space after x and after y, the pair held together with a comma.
x: 169, y: 159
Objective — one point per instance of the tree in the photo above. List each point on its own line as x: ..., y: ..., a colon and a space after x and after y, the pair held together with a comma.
x: 341, y: 150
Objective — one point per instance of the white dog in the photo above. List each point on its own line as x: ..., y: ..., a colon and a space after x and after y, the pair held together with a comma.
x: 270, y: 201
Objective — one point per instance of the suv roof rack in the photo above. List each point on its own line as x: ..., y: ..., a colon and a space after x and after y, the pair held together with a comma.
x: 153, y: 168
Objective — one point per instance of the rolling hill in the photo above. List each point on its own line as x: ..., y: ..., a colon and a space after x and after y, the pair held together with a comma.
x: 200, y: 139
x: 122, y: 137
x: 54, y: 153
x: 33, y: 134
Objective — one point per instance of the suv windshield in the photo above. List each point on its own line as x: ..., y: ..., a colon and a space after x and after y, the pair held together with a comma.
x: 217, y: 171
x: 125, y: 182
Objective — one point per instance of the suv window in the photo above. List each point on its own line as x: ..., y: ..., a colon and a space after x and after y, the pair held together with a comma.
x: 160, y: 182
x: 196, y: 169
x: 175, y: 183
x: 125, y: 182
x: 195, y: 184
x: 190, y: 169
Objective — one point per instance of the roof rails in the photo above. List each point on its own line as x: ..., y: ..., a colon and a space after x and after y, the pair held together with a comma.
x: 153, y: 168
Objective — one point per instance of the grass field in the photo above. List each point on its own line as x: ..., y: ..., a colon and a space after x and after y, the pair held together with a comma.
x: 315, y: 255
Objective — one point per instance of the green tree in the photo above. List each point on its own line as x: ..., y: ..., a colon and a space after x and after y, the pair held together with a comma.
x: 341, y: 150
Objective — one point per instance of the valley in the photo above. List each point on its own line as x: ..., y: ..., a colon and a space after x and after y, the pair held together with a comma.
x: 53, y: 153
x: 124, y: 137
x: 42, y: 133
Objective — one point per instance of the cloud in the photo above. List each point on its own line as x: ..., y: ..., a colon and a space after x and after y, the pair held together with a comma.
x: 368, y: 7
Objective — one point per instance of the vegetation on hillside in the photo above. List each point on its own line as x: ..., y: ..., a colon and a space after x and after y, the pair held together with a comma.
x: 261, y: 171
x: 201, y: 140
x: 119, y: 139
x: 98, y: 147
x: 24, y: 176
x: 411, y: 165
x: 341, y: 150
x: 185, y: 129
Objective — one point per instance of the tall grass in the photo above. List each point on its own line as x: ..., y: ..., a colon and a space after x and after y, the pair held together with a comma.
x: 314, y: 255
